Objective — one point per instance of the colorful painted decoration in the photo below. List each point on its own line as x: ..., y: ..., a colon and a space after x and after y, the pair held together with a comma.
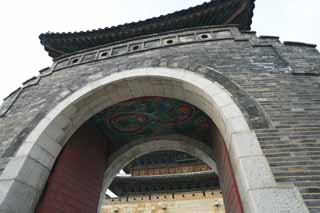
x: 152, y: 116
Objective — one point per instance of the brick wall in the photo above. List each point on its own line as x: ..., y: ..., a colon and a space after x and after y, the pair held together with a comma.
x: 76, y: 180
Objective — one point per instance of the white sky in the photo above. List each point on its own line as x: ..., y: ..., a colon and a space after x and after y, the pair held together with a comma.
x: 22, y: 21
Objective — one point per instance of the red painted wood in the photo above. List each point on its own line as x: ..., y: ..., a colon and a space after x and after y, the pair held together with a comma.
x: 228, y: 184
x: 76, y: 179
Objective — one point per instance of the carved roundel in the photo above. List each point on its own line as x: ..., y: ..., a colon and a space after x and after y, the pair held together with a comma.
x: 128, y: 122
x: 179, y: 114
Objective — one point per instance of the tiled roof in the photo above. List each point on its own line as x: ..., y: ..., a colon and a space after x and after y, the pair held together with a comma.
x: 166, y: 177
x: 197, y: 181
x: 215, y: 12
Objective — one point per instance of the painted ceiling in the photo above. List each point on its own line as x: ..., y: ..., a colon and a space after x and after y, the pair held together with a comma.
x: 152, y: 116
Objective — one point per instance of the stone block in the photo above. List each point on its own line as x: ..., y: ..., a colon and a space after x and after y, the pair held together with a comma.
x: 49, y: 145
x: 55, y: 132
x: 212, y: 90
x: 17, y: 197
x: 37, y: 153
x: 69, y: 111
x: 222, y: 99
x: 244, y: 144
x: 231, y: 110
x: 237, y: 124
x: 277, y: 200
x: 62, y: 121
x: 38, y: 131
x: 27, y: 171
x: 253, y: 172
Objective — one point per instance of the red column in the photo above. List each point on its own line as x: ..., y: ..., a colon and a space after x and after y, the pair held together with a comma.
x: 75, y: 182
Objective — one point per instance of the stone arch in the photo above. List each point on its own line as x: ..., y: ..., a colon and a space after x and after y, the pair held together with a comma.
x: 255, y: 115
x: 252, y: 172
x: 135, y: 149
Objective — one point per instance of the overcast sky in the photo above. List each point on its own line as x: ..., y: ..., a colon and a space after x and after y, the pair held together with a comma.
x: 22, y: 21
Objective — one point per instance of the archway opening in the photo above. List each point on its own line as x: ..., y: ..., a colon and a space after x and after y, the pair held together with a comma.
x: 115, y: 136
x: 164, y: 181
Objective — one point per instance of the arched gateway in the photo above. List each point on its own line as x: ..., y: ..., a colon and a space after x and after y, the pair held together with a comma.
x: 50, y: 146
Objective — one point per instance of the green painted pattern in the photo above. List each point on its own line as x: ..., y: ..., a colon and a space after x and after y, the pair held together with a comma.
x: 152, y: 116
